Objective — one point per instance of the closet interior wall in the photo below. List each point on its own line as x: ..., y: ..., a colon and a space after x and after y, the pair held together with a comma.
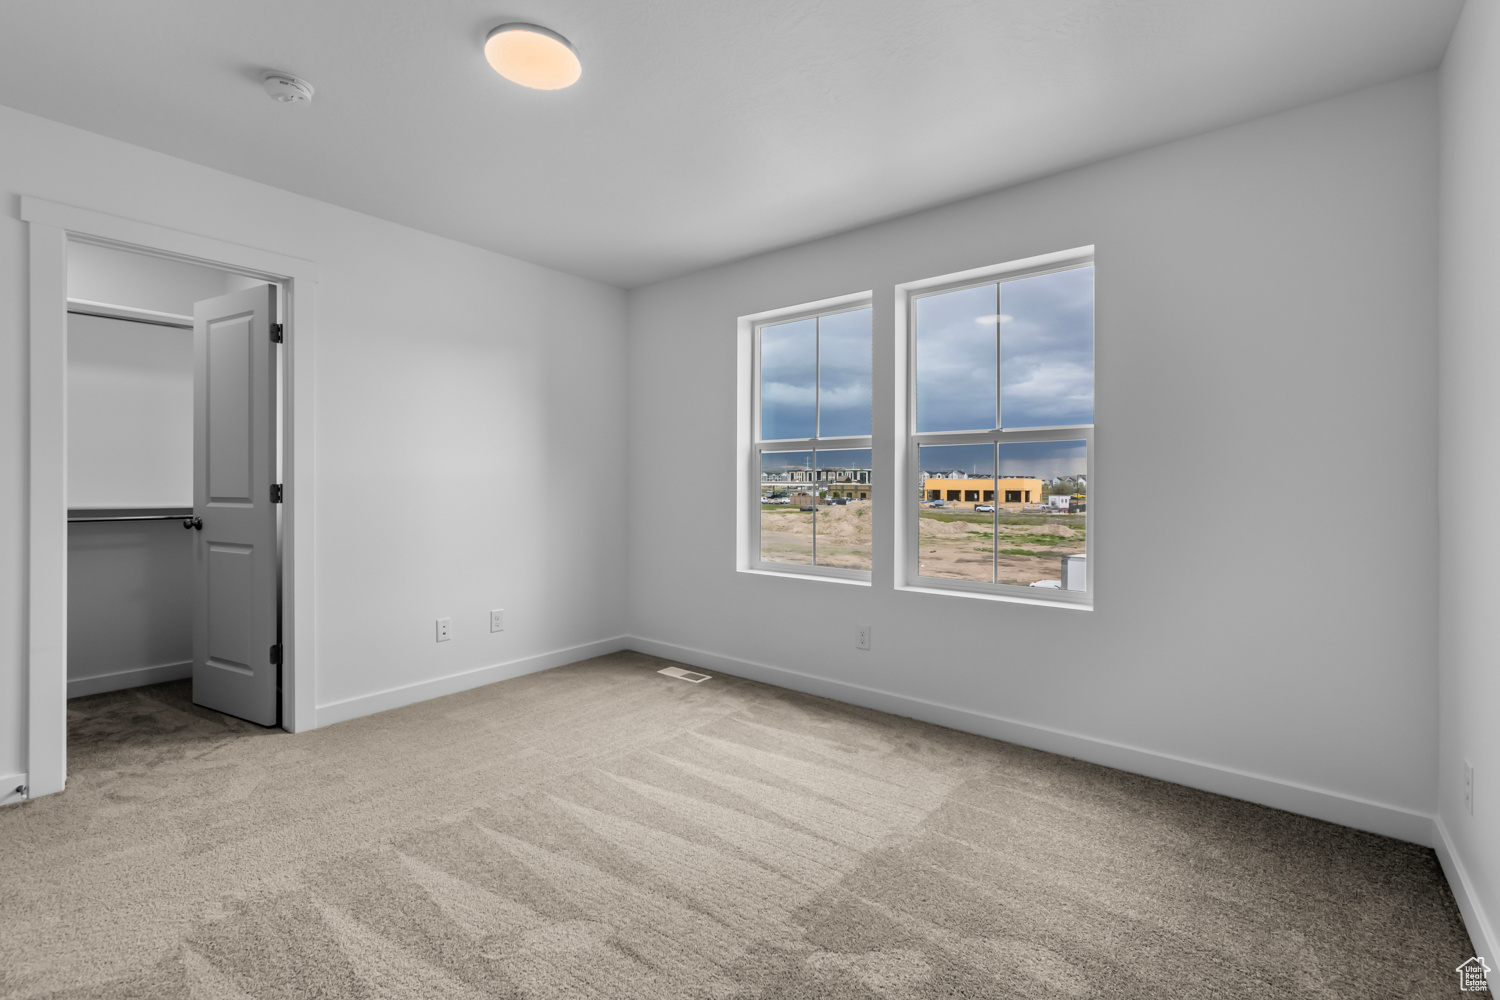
x: 130, y: 455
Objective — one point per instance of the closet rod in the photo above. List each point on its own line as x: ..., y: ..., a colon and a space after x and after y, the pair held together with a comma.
x: 136, y: 517
x: 84, y: 307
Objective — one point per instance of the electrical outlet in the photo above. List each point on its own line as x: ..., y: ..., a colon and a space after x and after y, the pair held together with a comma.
x: 1468, y: 788
x: 497, y: 620
x: 443, y: 625
x: 862, y: 636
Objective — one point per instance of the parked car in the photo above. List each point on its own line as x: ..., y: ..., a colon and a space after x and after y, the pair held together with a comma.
x: 774, y: 499
x: 936, y: 503
x: 808, y: 507
x: 984, y: 508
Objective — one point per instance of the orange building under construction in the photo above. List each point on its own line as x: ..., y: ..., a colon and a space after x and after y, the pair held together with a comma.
x: 1012, y: 492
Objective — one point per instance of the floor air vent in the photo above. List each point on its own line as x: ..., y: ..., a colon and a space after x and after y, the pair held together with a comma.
x: 684, y: 675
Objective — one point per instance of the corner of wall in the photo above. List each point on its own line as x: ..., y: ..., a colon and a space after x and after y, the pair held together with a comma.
x: 1468, y: 420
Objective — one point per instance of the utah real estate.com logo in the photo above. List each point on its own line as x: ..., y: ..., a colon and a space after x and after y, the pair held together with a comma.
x: 1474, y: 975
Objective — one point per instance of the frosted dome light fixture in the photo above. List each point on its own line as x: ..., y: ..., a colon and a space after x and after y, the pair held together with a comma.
x: 532, y: 56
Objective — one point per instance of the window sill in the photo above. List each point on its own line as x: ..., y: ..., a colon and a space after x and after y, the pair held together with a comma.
x: 818, y: 577
x: 1007, y: 598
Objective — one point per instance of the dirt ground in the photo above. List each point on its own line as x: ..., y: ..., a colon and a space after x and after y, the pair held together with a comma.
x: 843, y: 535
x: 965, y: 550
x: 951, y: 549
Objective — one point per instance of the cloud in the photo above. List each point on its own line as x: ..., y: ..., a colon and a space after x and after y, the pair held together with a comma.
x: 1046, y: 353
x: 816, y: 365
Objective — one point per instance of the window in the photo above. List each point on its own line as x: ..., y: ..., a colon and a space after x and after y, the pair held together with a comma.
x: 810, y: 438
x: 1000, y: 403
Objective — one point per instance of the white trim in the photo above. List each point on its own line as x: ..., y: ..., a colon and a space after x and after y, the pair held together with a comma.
x: 909, y: 440
x: 1346, y: 810
x: 8, y: 783
x: 1024, y: 267
x: 47, y: 514
x: 787, y: 314
x: 846, y: 443
x: 89, y: 226
x: 410, y: 694
x: 122, y: 679
x: 965, y: 588
x: 1481, y: 932
x: 50, y: 227
x: 862, y: 580
x: 749, y: 445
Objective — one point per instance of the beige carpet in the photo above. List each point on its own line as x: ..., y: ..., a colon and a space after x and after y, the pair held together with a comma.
x: 600, y: 830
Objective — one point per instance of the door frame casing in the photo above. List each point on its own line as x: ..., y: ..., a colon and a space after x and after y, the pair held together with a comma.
x: 50, y: 227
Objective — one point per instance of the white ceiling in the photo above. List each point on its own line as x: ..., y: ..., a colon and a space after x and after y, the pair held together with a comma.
x: 702, y: 130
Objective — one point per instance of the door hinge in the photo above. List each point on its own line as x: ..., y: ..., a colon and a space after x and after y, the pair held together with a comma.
x: 276, y: 654
x: 276, y: 493
x: 278, y: 333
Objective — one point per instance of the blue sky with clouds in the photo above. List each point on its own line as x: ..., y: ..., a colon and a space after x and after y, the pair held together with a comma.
x: 1045, y: 349
x: 815, y: 377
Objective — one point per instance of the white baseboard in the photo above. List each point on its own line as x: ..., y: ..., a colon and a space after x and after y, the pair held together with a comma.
x: 1346, y: 810
x: 409, y: 694
x: 8, y: 785
x: 1481, y: 931
x: 134, y: 677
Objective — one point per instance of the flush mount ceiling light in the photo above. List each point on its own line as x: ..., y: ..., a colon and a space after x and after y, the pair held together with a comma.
x: 286, y: 88
x: 532, y: 56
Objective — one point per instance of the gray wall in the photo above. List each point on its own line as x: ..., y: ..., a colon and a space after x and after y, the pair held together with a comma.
x: 140, y: 281
x: 450, y: 382
x: 130, y: 444
x: 130, y: 601
x: 1266, y: 334
x: 1469, y: 421
x: 130, y: 414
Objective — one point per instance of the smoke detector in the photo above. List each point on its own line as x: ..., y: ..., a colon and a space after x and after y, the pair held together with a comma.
x: 286, y: 88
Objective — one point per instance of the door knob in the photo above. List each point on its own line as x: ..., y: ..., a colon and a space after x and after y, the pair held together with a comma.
x: 192, y: 522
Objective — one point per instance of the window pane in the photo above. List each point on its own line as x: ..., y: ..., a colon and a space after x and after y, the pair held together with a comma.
x: 844, y: 374
x: 786, y: 486
x: 1043, y: 543
x: 955, y: 539
x: 1047, y: 349
x: 956, y: 360
x: 843, y: 522
x: 788, y: 380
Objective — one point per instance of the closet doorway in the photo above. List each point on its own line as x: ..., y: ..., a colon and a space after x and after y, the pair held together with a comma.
x: 173, y: 480
x: 53, y: 230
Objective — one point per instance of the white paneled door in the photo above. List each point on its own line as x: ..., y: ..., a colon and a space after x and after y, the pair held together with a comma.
x: 236, y: 627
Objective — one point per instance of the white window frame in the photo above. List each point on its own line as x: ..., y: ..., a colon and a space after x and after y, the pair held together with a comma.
x: 908, y: 465
x: 752, y: 445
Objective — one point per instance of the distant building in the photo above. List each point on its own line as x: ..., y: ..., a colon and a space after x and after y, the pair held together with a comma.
x: 1010, y: 491
x: 794, y: 474
x: 851, y: 483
